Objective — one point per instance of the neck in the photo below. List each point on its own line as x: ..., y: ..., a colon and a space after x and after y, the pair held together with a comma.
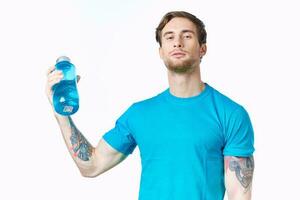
x: 186, y: 84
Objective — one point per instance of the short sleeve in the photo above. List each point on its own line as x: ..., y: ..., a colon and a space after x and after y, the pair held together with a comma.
x: 120, y: 137
x: 239, y: 135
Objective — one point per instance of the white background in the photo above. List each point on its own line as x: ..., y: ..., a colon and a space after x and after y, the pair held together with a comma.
x: 252, y: 57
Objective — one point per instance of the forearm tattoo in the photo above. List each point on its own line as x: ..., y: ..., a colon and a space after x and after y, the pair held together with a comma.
x: 81, y: 148
x: 243, y: 168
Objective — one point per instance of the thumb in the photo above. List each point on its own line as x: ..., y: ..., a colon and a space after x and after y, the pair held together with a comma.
x: 78, y: 78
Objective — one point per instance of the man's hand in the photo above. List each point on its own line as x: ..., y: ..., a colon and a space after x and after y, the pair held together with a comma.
x: 53, y: 77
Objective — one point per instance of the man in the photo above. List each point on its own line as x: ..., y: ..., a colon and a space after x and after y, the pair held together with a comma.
x: 194, y: 141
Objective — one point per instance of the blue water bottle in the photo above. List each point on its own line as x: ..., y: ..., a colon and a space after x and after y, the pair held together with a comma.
x: 65, y: 94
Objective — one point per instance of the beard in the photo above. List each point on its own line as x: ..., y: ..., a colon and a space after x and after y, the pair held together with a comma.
x: 181, y: 66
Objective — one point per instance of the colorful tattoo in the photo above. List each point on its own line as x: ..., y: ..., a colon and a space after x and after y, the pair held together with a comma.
x: 243, y: 168
x: 80, y: 146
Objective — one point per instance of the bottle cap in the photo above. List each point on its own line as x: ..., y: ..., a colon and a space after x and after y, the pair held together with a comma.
x: 63, y: 58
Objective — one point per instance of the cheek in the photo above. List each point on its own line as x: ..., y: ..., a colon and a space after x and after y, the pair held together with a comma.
x: 197, y: 50
x: 162, y: 54
x: 164, y: 51
x: 166, y: 45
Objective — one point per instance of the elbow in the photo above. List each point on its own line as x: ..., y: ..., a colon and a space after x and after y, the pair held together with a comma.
x: 88, y: 171
x: 91, y: 172
x: 88, y: 174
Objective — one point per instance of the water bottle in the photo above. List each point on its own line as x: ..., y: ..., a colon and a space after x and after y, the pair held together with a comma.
x: 65, y: 94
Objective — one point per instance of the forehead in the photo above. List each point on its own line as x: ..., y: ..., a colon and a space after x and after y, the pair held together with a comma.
x: 178, y: 24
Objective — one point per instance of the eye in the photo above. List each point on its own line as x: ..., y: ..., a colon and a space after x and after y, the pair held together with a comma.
x: 169, y: 37
x: 187, y: 36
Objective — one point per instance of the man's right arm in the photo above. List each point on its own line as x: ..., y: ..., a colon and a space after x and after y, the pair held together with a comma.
x: 91, y: 161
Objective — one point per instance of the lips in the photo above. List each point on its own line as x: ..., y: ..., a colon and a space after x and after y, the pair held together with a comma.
x: 178, y: 54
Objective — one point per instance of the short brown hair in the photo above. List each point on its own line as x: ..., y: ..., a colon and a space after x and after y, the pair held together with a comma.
x: 200, y: 27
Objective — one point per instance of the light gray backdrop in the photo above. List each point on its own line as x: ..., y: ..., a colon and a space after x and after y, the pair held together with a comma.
x: 252, y: 57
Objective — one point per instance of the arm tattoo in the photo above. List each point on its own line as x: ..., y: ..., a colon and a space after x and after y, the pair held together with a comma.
x: 80, y: 146
x: 243, y: 168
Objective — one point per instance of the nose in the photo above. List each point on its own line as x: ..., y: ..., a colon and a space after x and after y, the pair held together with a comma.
x: 178, y: 43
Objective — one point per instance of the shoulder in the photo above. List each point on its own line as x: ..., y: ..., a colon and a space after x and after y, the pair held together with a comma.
x: 227, y: 109
x: 148, y: 103
x: 140, y: 108
x: 223, y: 99
x: 224, y: 103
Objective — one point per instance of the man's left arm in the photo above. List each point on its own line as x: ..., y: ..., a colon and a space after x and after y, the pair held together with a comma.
x: 238, y: 177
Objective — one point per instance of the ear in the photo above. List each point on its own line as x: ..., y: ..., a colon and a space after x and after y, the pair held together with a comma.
x: 203, y: 49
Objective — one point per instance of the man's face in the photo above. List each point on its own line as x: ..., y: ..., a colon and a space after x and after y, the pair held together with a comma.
x: 180, y: 49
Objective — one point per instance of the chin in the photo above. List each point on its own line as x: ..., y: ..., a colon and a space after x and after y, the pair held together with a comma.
x: 180, y: 69
x: 180, y: 66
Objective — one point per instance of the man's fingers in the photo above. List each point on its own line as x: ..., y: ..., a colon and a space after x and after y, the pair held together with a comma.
x: 53, y: 78
x: 50, y: 70
x: 53, y: 81
x: 55, y: 75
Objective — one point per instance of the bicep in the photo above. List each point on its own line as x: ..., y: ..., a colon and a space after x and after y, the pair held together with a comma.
x: 238, y: 176
x: 107, y: 157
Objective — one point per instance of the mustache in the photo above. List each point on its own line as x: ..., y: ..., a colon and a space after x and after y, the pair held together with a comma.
x: 178, y: 51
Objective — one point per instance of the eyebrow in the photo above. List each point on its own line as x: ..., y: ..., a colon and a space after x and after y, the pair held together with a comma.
x: 183, y: 31
x: 168, y: 32
x: 187, y: 31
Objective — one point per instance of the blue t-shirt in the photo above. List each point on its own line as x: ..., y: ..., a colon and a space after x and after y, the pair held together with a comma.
x: 182, y: 143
